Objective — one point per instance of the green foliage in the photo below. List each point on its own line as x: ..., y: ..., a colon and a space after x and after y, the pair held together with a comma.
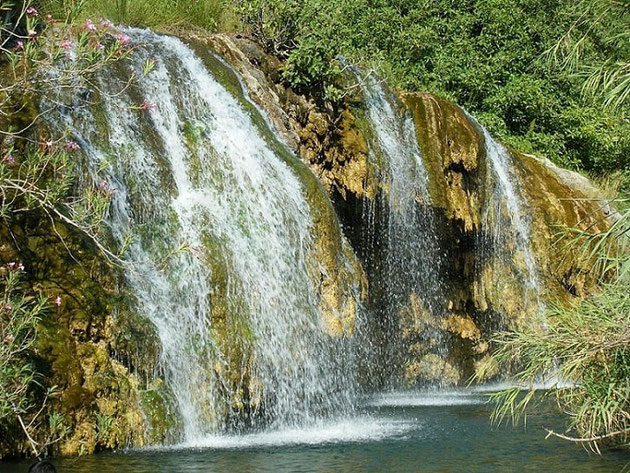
x: 488, y: 56
x: 276, y: 24
x: 310, y: 62
x: 606, y: 24
x: 104, y: 424
x: 21, y: 395
x: 20, y: 315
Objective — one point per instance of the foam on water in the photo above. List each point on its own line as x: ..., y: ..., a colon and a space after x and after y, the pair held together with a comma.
x: 474, y: 395
x: 427, y: 399
x: 550, y: 383
x: 343, y: 430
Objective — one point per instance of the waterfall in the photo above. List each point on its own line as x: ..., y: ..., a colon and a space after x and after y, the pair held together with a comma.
x: 515, y: 225
x: 407, y: 248
x: 223, y: 228
x: 411, y: 270
x: 218, y: 226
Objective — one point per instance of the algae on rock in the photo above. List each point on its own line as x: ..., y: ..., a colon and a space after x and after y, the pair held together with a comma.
x: 99, y: 367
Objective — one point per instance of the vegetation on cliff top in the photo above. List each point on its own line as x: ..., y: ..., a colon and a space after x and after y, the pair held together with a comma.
x: 518, y: 65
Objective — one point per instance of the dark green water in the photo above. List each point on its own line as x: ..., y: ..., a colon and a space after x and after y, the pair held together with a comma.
x: 445, y: 433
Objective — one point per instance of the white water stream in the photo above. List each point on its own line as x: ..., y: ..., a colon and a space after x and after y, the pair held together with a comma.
x: 222, y: 247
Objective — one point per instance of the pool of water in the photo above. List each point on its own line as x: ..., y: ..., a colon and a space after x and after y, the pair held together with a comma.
x: 398, y: 432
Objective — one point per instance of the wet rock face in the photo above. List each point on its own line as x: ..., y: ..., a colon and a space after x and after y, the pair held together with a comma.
x: 482, y: 293
x: 453, y: 152
x: 90, y: 345
x: 328, y: 139
x: 485, y: 295
x: 562, y: 200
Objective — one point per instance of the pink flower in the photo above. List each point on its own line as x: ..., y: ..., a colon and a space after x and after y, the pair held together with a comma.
x: 122, y: 38
x: 13, y: 266
x: 58, y: 301
x: 148, y: 105
x: 89, y: 25
x: 49, y: 17
x: 99, y: 46
x: 103, y: 185
x: 72, y: 146
x: 32, y: 11
x: 9, y: 159
x: 66, y: 44
x: 32, y: 32
x: 105, y: 23
x: 20, y: 45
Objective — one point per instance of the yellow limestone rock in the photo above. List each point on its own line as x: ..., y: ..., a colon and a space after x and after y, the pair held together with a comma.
x: 462, y: 326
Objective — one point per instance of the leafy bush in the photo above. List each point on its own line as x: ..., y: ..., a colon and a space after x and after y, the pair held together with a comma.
x: 212, y: 15
x: 20, y: 315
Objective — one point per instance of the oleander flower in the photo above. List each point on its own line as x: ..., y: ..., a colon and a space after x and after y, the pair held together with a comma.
x: 89, y: 25
x: 122, y: 38
x: 103, y: 185
x: 148, y: 105
x: 72, y: 146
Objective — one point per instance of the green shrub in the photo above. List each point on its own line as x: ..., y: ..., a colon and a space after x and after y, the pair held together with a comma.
x: 39, y: 170
x: 212, y: 15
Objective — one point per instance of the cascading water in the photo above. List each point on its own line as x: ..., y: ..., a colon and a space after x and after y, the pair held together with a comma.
x: 219, y: 221
x: 504, y: 220
x: 221, y: 258
x: 413, y: 270
x: 401, y: 229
